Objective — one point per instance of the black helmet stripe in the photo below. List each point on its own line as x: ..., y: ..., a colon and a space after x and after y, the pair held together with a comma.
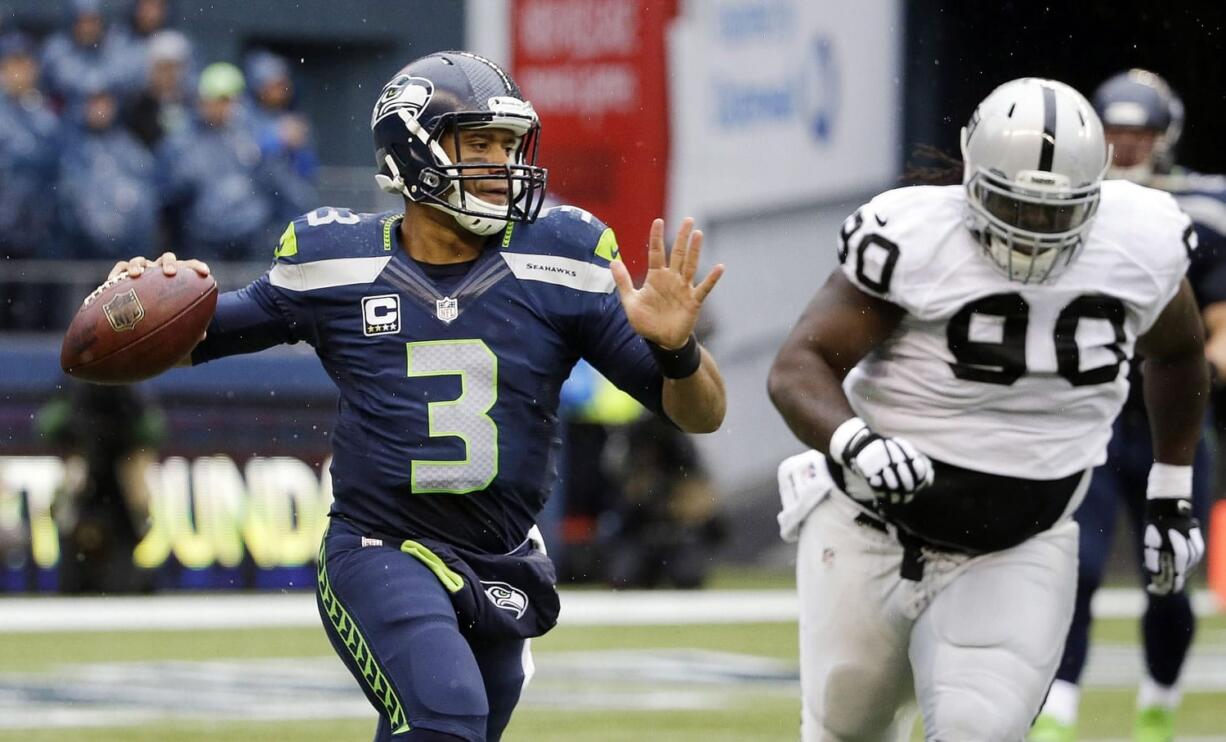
x: 1047, y: 151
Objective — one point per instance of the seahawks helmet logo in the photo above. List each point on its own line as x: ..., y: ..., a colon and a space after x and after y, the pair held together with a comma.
x: 507, y: 597
x: 403, y: 93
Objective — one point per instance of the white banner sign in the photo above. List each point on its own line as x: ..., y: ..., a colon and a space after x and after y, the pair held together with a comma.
x: 778, y: 102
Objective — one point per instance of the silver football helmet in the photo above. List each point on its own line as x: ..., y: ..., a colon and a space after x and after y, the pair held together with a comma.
x: 1034, y: 157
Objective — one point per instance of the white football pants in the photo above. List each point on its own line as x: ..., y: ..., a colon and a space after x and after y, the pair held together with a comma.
x: 976, y: 642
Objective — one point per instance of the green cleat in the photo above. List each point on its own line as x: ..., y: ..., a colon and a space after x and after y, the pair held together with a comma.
x: 1154, y: 724
x: 1047, y: 729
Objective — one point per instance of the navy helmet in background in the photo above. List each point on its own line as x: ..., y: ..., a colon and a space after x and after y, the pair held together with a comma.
x: 1142, y: 101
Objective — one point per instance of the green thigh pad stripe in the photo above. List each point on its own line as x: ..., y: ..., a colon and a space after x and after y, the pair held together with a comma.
x: 348, y: 631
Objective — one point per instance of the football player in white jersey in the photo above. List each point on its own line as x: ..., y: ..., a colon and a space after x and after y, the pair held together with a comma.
x: 961, y: 373
x: 1142, y: 119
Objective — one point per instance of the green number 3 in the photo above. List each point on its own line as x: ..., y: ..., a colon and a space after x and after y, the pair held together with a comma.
x: 464, y: 417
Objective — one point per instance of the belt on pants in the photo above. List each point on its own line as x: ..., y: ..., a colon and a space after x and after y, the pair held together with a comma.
x: 912, y: 547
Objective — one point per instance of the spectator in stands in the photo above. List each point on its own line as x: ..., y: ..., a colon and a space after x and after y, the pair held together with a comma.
x: 226, y: 200
x: 163, y: 106
x: 638, y: 509
x: 593, y: 411
x: 108, y: 435
x: 146, y: 20
x: 669, y: 521
x: 28, y: 151
x: 148, y: 17
x: 75, y: 59
x: 108, y: 198
x: 282, y: 132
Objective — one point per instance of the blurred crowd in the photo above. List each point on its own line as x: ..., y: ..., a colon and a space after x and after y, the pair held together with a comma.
x: 115, y: 141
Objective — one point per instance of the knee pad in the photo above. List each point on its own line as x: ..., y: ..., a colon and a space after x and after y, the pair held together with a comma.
x: 972, y: 717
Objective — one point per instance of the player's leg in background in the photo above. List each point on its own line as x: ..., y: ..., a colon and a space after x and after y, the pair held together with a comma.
x: 1169, y: 624
x: 1096, y: 517
x: 854, y: 675
x: 392, y: 624
x: 986, y: 648
x: 506, y: 667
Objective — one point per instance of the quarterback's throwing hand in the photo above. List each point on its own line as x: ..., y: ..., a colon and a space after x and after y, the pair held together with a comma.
x: 1173, y: 544
x: 665, y: 308
x: 893, y: 468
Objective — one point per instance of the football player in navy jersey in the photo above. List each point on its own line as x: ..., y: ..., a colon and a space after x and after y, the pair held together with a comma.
x: 1143, y: 119
x: 449, y: 329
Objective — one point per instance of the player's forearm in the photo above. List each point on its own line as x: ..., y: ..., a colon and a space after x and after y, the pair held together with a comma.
x: 1176, y: 392
x: 808, y: 394
x: 1214, y: 316
x: 697, y: 403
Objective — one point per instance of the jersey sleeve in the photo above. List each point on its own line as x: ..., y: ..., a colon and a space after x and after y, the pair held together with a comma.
x: 603, y: 335
x: 881, y: 246
x: 612, y: 346
x: 1171, y: 248
x: 261, y: 314
x: 1208, y: 271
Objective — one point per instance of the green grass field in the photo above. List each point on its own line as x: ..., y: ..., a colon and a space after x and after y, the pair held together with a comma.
x: 744, y: 687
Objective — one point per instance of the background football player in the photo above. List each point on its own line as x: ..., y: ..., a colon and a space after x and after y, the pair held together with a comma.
x: 1142, y: 119
x: 449, y: 329
x: 961, y: 373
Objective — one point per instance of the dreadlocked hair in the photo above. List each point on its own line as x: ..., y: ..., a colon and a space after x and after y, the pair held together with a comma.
x: 929, y: 165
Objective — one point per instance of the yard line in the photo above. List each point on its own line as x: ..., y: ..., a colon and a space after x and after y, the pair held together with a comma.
x: 579, y: 608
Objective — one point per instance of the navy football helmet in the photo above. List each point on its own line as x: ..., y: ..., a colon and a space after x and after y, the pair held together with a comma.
x: 1139, y: 99
x: 435, y: 97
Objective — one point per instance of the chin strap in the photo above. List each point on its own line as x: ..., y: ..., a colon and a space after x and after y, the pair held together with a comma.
x: 394, y: 184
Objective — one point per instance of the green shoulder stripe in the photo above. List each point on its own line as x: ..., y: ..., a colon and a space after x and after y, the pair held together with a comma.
x: 289, y: 243
x: 607, y: 247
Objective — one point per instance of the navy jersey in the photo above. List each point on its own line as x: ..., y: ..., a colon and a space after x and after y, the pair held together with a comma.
x: 1203, y: 198
x: 447, y: 424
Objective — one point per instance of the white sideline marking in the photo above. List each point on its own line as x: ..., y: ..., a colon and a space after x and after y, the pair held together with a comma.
x: 579, y: 608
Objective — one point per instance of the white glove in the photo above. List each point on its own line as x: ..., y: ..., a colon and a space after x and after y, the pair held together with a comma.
x: 1173, y: 544
x: 893, y: 468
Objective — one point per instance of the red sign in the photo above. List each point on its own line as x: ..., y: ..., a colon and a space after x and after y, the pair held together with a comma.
x: 596, y: 72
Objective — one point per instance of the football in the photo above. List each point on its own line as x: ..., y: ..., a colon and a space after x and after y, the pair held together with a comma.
x: 131, y: 329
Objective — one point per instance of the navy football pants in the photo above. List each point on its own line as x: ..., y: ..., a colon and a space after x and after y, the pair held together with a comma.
x: 1168, y: 624
x: 391, y: 621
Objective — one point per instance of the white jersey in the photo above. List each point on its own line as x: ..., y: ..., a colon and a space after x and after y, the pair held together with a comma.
x: 984, y: 373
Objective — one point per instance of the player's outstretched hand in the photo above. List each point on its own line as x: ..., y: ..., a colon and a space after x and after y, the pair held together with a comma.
x: 1173, y: 544
x: 665, y: 308
x: 136, y: 266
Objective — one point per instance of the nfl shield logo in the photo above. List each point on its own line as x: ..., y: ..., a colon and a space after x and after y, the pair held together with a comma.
x: 123, y: 311
x: 447, y: 309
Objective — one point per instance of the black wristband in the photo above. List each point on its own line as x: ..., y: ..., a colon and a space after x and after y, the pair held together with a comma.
x: 679, y: 363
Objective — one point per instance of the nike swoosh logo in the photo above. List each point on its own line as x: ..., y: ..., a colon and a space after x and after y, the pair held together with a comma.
x: 880, y: 222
